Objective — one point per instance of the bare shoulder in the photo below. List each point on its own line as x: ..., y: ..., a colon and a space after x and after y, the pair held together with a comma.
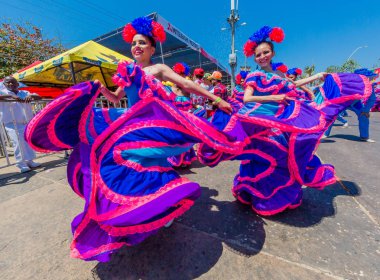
x: 162, y: 67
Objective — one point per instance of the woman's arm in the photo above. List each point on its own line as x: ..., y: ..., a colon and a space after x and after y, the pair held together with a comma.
x: 249, y: 97
x: 113, y: 96
x: 308, y: 91
x: 310, y: 79
x: 167, y: 74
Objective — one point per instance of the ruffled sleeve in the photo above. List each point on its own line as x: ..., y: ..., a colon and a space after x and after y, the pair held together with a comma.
x: 129, y: 73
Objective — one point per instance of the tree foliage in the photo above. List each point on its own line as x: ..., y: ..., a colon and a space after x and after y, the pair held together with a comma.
x: 22, y: 45
x: 348, y: 66
x: 309, y: 70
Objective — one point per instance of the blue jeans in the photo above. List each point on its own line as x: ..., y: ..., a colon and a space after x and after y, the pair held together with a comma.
x: 339, y: 118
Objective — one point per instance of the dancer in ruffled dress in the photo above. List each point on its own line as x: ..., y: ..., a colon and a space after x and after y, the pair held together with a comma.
x: 238, y: 91
x: 284, y: 131
x: 184, y: 103
x: 293, y: 74
x: 119, y: 163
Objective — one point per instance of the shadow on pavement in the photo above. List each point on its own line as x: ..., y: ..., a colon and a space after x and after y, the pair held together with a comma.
x: 192, y: 246
x: 347, y: 137
x: 316, y: 205
x: 190, y: 170
x: 20, y: 178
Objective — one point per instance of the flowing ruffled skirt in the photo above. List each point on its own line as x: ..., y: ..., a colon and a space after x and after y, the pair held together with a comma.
x: 119, y: 165
x: 280, y: 156
x: 185, y: 159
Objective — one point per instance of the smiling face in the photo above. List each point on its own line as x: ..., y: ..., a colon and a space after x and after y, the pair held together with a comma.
x: 11, y: 84
x: 263, y: 55
x: 142, y: 48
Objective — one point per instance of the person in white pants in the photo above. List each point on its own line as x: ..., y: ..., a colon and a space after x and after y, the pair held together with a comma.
x: 15, y: 115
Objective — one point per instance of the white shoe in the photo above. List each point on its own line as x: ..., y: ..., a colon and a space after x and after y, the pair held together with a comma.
x: 345, y: 125
x: 368, y: 140
x: 24, y: 169
x: 169, y: 223
x: 33, y: 164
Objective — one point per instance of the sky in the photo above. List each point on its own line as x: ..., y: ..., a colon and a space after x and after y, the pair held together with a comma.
x: 320, y: 32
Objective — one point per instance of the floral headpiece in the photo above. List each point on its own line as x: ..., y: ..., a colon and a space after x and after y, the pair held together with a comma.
x: 279, y: 66
x: 199, y: 72
x: 275, y: 34
x: 294, y: 71
x: 181, y: 68
x: 366, y: 72
x: 144, y: 26
x: 240, y: 76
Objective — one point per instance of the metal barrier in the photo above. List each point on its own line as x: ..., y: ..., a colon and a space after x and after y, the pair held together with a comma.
x: 37, y: 106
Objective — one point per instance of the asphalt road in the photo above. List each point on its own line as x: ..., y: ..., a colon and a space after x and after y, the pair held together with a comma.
x: 334, y: 234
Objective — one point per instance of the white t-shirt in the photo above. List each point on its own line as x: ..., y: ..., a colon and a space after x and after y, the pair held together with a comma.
x: 20, y: 112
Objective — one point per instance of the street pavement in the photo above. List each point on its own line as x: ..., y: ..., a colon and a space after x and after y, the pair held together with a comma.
x: 334, y: 234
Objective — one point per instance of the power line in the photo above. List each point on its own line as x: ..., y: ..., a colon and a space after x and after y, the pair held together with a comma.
x: 102, y: 10
x: 71, y: 9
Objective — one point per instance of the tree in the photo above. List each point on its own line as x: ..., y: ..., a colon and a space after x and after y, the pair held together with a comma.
x: 333, y: 69
x: 309, y: 70
x: 349, y: 66
x: 22, y: 45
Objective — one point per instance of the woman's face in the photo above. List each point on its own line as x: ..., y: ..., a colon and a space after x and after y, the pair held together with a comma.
x: 292, y: 77
x: 263, y: 55
x: 142, y: 48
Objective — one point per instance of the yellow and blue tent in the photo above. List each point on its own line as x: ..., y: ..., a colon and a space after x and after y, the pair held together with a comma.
x: 88, y: 61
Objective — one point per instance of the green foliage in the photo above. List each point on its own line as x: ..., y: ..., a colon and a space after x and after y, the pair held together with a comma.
x: 309, y: 70
x: 333, y: 69
x: 348, y: 66
x: 22, y: 45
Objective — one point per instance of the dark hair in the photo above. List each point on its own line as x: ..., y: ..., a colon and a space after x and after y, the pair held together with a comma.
x: 152, y: 41
x: 267, y: 42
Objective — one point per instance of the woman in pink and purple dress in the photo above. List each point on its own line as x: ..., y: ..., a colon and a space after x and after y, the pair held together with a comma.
x: 119, y: 164
x: 283, y: 131
x: 304, y: 92
x: 183, y: 102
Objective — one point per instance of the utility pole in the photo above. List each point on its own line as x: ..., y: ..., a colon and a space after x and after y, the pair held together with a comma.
x: 232, y: 59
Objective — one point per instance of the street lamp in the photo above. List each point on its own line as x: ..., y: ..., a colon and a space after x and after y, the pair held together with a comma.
x: 232, y: 59
x: 358, y: 48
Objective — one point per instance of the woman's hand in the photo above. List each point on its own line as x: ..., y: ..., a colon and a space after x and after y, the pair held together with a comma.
x: 224, y: 106
x: 282, y: 98
x: 97, y: 82
x: 322, y: 75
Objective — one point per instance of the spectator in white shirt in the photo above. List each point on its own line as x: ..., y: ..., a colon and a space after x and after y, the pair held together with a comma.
x: 15, y: 115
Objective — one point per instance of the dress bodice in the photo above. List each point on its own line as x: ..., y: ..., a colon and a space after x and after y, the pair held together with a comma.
x: 135, y: 81
x: 267, y: 83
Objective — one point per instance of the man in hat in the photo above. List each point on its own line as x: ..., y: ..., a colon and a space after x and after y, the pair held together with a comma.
x: 219, y: 89
x: 15, y: 115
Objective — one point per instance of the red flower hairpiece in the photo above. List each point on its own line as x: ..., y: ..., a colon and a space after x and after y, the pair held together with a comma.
x: 145, y: 27
x: 158, y: 32
x: 275, y: 34
x: 249, y: 48
x: 179, y: 68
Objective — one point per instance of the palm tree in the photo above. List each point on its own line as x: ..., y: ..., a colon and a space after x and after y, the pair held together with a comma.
x: 309, y: 70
